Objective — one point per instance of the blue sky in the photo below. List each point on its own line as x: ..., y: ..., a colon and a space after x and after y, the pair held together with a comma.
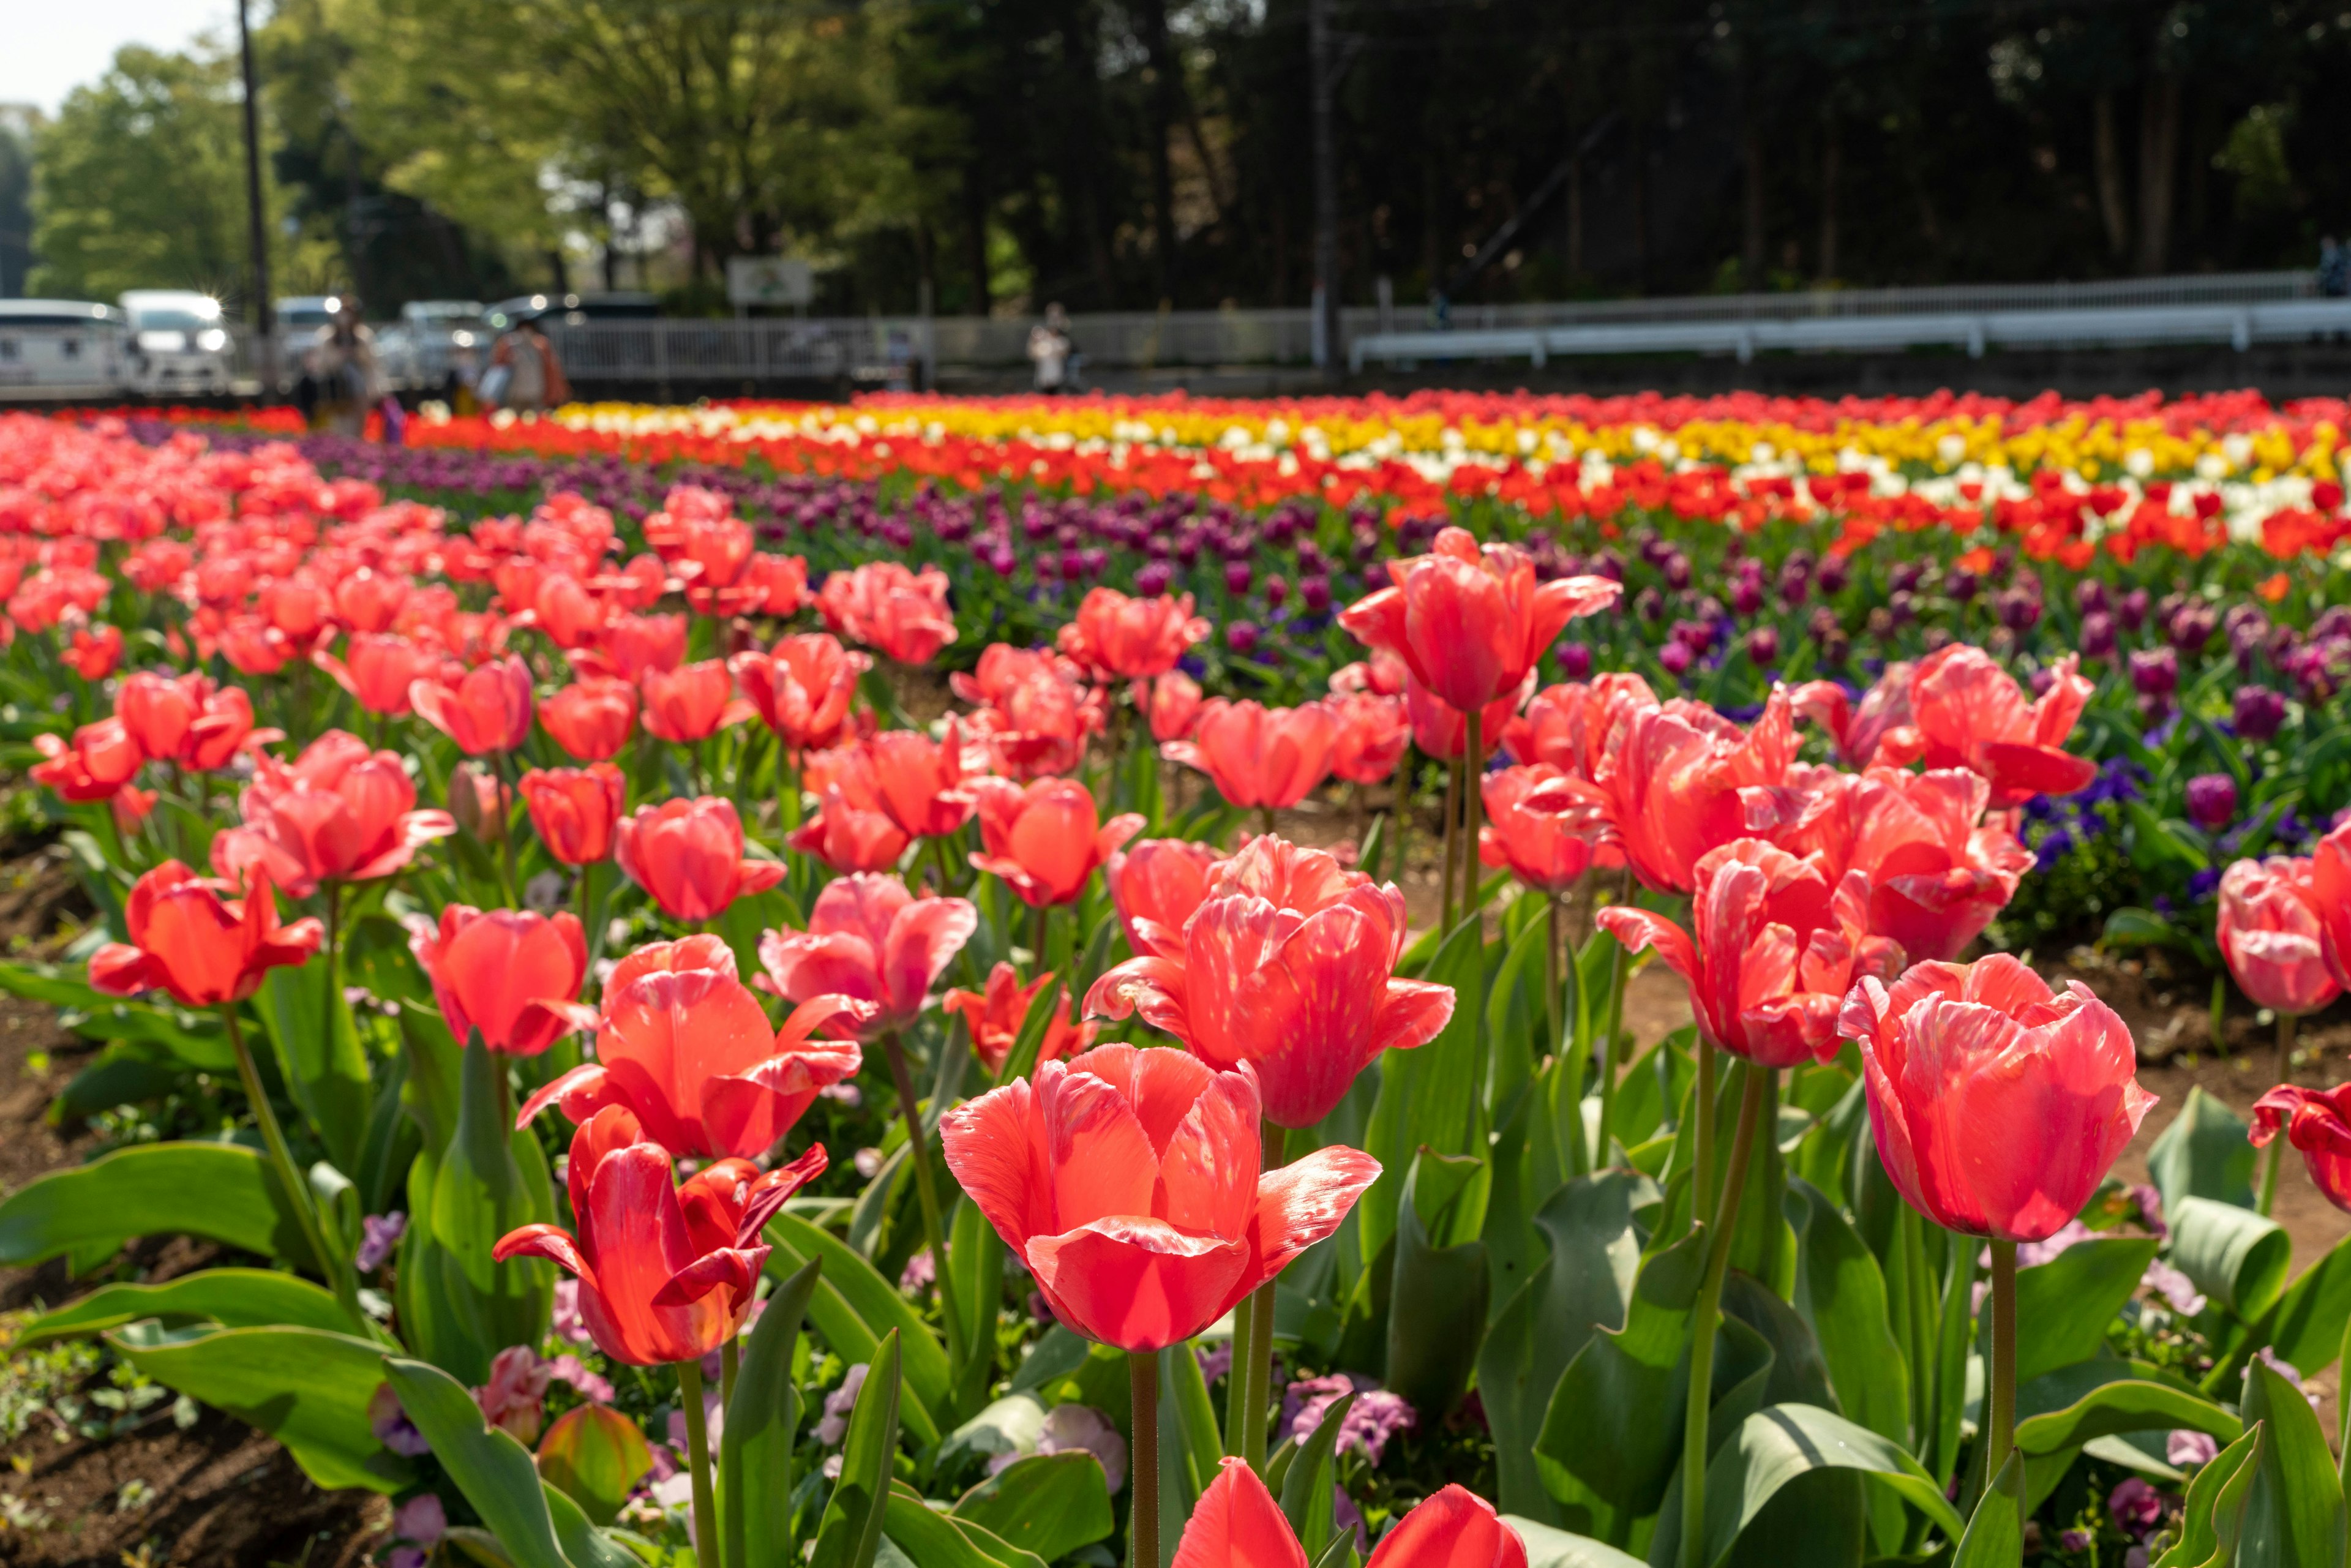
x: 53, y: 48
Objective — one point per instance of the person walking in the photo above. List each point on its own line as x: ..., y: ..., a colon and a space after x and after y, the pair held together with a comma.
x: 342, y: 361
x: 1050, y: 349
x: 524, y: 373
x: 2334, y: 269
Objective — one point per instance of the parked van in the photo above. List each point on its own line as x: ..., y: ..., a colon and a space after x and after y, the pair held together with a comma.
x: 179, y: 342
x: 59, y: 347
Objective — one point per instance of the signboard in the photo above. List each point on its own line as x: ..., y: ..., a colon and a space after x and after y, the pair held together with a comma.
x: 769, y: 280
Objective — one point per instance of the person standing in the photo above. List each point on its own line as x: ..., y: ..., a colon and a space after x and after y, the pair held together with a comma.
x: 525, y: 374
x: 1050, y: 349
x: 342, y: 360
x: 2334, y: 269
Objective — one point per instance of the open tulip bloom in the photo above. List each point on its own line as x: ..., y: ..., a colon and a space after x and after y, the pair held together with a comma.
x: 1237, y: 1524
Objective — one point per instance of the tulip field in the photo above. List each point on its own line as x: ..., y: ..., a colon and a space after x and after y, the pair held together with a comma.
x: 994, y: 983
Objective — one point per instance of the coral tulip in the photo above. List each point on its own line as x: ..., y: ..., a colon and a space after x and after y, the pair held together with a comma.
x: 378, y: 668
x: 1261, y: 757
x: 591, y: 720
x: 1289, y: 964
x: 369, y: 601
x: 2272, y: 934
x: 99, y: 761
x: 2330, y: 886
x: 686, y: 1048
x: 93, y: 655
x: 870, y: 939
x: 1547, y: 837
x: 996, y: 1017
x: 1773, y: 949
x: 883, y: 605
x: 1370, y: 737
x: 689, y: 855
x: 1238, y: 1523
x: 803, y: 689
x: 1131, y: 638
x: 1155, y: 885
x: 1037, y: 726
x: 567, y: 612
x: 1171, y: 703
x: 923, y: 784
x: 667, y: 1270
x: 1568, y: 725
x: 1997, y: 1104
x: 1671, y: 780
x: 200, y: 947
x: 576, y: 811
x: 1043, y: 840
x: 186, y: 720
x: 853, y: 830
x: 691, y: 703
x: 2317, y: 1122
x: 1442, y: 730
x: 1967, y: 712
x: 629, y: 645
x: 512, y: 974
x: 339, y: 812
x: 1382, y: 674
x: 485, y: 709
x: 1471, y: 623
x: 1129, y: 1183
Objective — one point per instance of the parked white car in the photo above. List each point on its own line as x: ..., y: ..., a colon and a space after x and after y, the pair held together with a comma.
x: 60, y: 348
x: 179, y: 342
x: 432, y: 339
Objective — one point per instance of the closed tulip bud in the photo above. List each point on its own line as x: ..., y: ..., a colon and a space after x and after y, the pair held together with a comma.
x: 575, y: 810
x: 484, y: 709
x: 1043, y: 840
x: 2273, y: 932
x: 2212, y: 801
x: 2259, y: 713
x: 477, y: 802
x: 510, y: 975
x: 591, y: 719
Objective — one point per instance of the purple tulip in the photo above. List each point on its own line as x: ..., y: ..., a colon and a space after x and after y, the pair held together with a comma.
x: 2097, y: 636
x: 2155, y: 673
x: 1241, y: 637
x: 1314, y: 592
x: 2133, y: 610
x: 1238, y: 576
x: 1763, y: 646
x: 1575, y: 660
x: 2211, y: 800
x: 2259, y: 713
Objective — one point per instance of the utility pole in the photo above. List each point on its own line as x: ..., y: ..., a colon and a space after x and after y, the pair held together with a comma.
x: 1326, y: 186
x: 256, y: 221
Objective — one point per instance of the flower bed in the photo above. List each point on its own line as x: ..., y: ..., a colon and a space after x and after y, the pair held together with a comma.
x: 690, y: 1101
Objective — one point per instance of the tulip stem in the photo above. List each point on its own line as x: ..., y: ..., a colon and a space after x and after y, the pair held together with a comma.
x: 1615, y: 1015
x: 2343, y: 1435
x: 2277, y: 1145
x: 918, y: 1153
x: 298, y: 1192
x: 1452, y: 808
x: 1142, y: 1470
x: 1259, y: 1392
x: 1238, y: 1374
x: 1044, y: 914
x: 1473, y: 800
x: 1578, y: 1044
x: 706, y: 1533
x: 731, y: 1361
x: 1702, y: 1151
x: 499, y: 762
x: 2000, y: 1400
x: 1706, y: 1320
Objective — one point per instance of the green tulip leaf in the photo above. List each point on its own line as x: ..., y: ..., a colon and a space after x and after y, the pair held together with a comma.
x: 1786, y: 1443
x: 215, y: 1192
x: 849, y: 1532
x: 2306, y: 1328
x: 2214, y: 1513
x: 2063, y: 1306
x: 232, y: 1297
x: 2293, y: 1509
x: 307, y: 1387
x: 763, y: 1419
x: 2125, y: 1404
x: 1048, y: 1504
x: 2203, y: 1154
x: 1436, y: 1303
x: 1995, y: 1535
x: 319, y: 1049
x: 1841, y: 1292
x: 928, y: 1537
x: 855, y: 1308
x: 2235, y: 1256
x: 488, y: 1464
x: 1549, y: 1546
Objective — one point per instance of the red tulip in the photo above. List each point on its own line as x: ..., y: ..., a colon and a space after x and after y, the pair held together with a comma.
x: 1289, y: 964
x: 1270, y: 758
x: 629, y: 645
x: 1471, y: 625
x: 253, y: 647
x: 689, y: 855
x: 1568, y: 725
x: 1037, y: 726
x: 802, y: 690
x: 1172, y: 703
x: 1237, y: 1524
x: 93, y: 655
x: 1043, y: 840
x: 773, y: 585
x: 576, y: 811
x: 201, y: 947
x: 571, y: 615
x: 1129, y: 1183
x: 1773, y: 949
x: 1155, y: 885
x: 1938, y: 872
x: 1442, y: 730
x: 512, y: 974
x: 853, y: 830
x: 691, y: 703
x: 2272, y: 934
x: 339, y: 812
x: 1547, y: 838
x: 591, y: 720
x: 996, y: 1017
x: 1673, y: 777
x: 369, y: 601
x: 1997, y: 1104
x: 1131, y: 638
x: 868, y: 938
x: 2317, y: 1122
x: 667, y: 1270
x: 923, y: 784
x: 378, y: 668
x: 1370, y: 739
x: 485, y: 709
x: 1382, y: 674
x: 1967, y: 712
x: 883, y: 605
x: 1003, y: 668
x: 688, y: 1050
x: 185, y: 720
x: 100, y: 760
x: 1858, y: 730
x: 2330, y: 886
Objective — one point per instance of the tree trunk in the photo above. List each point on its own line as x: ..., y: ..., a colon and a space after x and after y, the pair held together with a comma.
x: 1640, y: 144
x: 1751, y: 249
x: 1575, y: 217
x: 1831, y: 165
x: 2105, y: 143
x: 1167, y: 87
x: 975, y: 238
x: 2158, y: 167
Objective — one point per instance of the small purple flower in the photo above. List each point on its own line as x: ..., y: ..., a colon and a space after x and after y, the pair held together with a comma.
x: 1345, y: 1515
x: 379, y: 1234
x: 2212, y: 801
x: 421, y: 1518
x: 2179, y: 1292
x: 1374, y: 1417
x: 569, y: 1368
x: 919, y: 1274
x: 1216, y: 1360
x: 2074, y: 1540
x: 839, y: 1403
x: 1082, y: 1429
x: 2136, y: 1506
x: 391, y: 1425
x: 2185, y: 1447
x: 568, y: 1323
x: 2259, y: 714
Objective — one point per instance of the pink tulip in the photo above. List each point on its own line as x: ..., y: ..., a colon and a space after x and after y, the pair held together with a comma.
x: 869, y: 939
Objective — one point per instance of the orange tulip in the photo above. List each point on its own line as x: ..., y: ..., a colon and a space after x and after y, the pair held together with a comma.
x: 1673, y: 778
x: 1568, y: 725
x: 93, y: 655
x: 591, y: 720
x: 1548, y: 837
x: 688, y: 854
x: 1967, y: 712
x: 511, y: 974
x: 923, y: 784
x: 378, y: 668
x: 1172, y: 703
x: 203, y: 948
x: 997, y: 1016
x: 1269, y: 758
x: 853, y: 830
x: 1043, y: 840
x: 99, y: 761
x: 576, y: 811
x: 629, y: 645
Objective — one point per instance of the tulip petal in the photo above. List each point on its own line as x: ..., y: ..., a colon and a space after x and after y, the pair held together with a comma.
x: 1138, y: 1283
x: 1301, y: 1204
x: 1236, y: 1524
x: 1455, y: 1527
x: 996, y: 1148
x: 584, y: 1079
